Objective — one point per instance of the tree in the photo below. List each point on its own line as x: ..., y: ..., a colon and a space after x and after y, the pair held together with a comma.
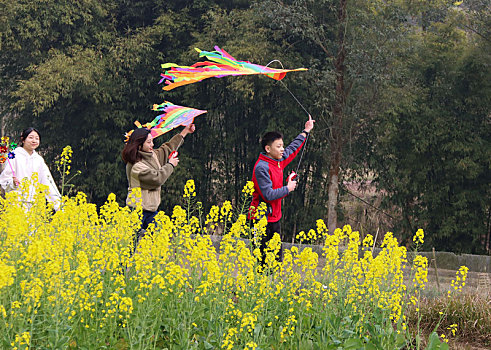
x: 84, y: 71
x: 350, y: 47
x: 433, y: 148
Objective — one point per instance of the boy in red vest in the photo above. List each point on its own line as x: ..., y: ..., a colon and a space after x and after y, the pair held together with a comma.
x: 268, y: 179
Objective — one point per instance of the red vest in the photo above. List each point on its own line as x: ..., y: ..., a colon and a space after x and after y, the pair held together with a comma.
x: 275, y: 171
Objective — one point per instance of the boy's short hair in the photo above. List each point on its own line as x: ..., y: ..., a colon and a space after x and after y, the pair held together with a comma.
x: 270, y: 137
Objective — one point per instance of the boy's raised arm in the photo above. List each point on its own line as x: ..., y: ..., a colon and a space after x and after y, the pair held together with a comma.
x: 294, y: 147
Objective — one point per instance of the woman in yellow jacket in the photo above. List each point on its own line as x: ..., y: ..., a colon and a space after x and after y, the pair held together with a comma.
x: 150, y: 168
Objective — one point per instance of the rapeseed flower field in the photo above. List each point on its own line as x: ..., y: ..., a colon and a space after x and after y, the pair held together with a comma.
x: 72, y: 280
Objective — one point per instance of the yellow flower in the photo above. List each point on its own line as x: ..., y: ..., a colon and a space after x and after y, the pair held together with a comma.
x: 322, y: 230
x: 420, y: 265
x: 453, y: 328
x: 419, y: 237
x: 79, y: 267
x: 444, y: 338
x: 368, y: 241
x: 189, y: 189
x: 301, y: 236
x: 248, y: 188
x: 212, y: 218
x: 228, y: 342
x: 65, y: 160
x: 250, y: 346
x: 226, y: 211
x: 459, y: 282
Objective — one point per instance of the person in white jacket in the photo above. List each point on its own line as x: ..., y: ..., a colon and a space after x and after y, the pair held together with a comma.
x: 27, y: 162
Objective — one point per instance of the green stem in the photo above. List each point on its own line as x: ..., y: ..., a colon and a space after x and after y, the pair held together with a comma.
x: 63, y: 180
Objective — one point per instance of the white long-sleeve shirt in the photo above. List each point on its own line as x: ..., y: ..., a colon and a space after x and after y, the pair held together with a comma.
x: 24, y: 165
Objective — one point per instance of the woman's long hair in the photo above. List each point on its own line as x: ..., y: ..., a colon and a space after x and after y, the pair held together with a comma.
x: 130, y: 151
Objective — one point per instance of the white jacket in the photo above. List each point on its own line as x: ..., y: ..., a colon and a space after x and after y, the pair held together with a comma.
x: 24, y: 165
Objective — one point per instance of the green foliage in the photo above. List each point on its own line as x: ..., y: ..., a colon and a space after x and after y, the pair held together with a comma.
x: 433, y: 146
x: 416, y: 90
x: 434, y: 343
x: 86, y: 79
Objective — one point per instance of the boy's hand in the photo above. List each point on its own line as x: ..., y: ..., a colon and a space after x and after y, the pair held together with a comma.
x: 309, y: 125
x: 291, y: 184
x: 292, y: 176
x: 16, y: 181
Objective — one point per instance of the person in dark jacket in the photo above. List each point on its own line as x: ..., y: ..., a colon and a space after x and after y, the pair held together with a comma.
x: 267, y: 177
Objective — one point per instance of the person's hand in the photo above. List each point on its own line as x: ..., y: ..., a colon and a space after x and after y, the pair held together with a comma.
x: 292, y: 184
x: 309, y: 124
x: 174, y: 160
x: 16, y: 181
x: 189, y: 129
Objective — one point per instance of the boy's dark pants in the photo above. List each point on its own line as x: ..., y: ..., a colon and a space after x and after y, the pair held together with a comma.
x: 271, y: 229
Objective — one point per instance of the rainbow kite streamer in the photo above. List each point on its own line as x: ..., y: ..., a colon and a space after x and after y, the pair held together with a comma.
x: 172, y: 117
x: 223, y: 65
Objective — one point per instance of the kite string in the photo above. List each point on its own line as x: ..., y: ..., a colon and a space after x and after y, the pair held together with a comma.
x: 301, y: 154
x: 291, y: 93
x: 296, y: 99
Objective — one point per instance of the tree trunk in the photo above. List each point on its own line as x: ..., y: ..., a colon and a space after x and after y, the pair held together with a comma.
x: 332, y: 216
x: 336, y: 132
x: 487, y: 241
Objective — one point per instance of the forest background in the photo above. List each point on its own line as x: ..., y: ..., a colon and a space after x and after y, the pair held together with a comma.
x: 400, y: 91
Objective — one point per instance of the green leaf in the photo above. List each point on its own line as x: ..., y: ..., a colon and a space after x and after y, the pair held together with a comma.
x: 370, y: 346
x: 257, y: 330
x: 433, y: 342
x: 353, y: 343
x: 400, y: 340
x: 332, y: 347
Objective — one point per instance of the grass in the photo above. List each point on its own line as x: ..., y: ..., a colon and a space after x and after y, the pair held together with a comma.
x: 470, y: 311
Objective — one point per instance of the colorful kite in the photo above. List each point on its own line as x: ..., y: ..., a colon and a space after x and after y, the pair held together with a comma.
x: 173, y: 117
x: 223, y: 65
